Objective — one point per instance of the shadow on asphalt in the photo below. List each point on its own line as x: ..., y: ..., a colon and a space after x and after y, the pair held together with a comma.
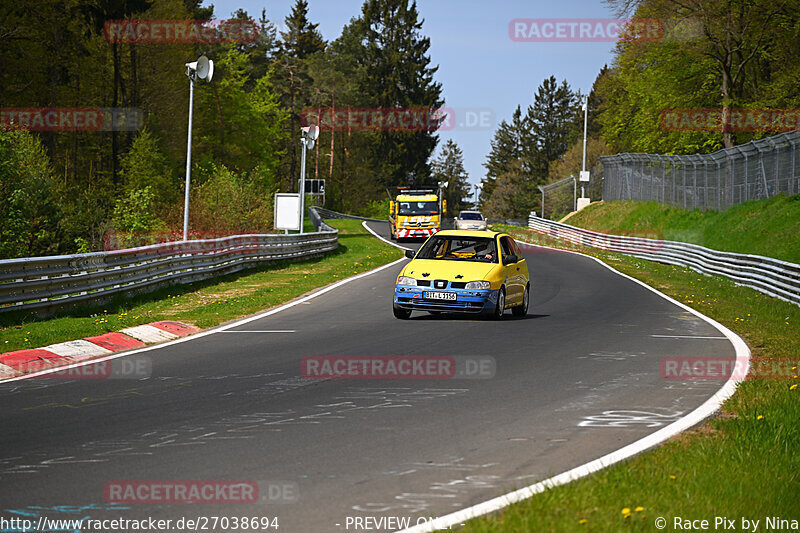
x: 474, y: 318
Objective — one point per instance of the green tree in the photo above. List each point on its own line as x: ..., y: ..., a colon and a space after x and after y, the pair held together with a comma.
x: 144, y: 165
x: 233, y: 203
x: 134, y: 212
x: 28, y: 200
x: 333, y: 75
x: 449, y: 168
x: 299, y: 42
x: 513, y: 194
x: 301, y: 38
x: 98, y: 13
x: 238, y: 128
x: 722, y: 55
x: 511, y: 146
x: 553, y: 120
x: 395, y: 69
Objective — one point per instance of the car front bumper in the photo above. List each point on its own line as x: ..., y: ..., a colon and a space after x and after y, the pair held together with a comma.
x: 414, y: 232
x: 467, y: 300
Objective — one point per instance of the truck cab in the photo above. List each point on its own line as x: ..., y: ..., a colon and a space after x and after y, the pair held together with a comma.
x: 415, y: 213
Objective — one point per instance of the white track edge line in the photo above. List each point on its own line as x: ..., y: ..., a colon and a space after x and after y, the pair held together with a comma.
x: 698, y: 415
x: 364, y: 223
x: 208, y: 331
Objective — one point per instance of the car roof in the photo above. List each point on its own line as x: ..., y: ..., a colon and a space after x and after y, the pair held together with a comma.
x: 468, y: 233
x: 469, y: 211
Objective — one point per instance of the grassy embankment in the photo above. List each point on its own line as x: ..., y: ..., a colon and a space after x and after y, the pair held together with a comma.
x: 764, y: 227
x: 743, y: 463
x: 207, y: 303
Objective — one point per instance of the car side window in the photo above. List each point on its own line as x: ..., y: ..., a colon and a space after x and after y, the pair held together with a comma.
x: 515, y: 248
x: 506, y: 246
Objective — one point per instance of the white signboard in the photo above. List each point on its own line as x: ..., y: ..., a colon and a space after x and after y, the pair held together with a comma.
x: 287, y: 211
x: 584, y: 175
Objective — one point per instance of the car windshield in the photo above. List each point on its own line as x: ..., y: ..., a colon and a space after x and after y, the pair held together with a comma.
x: 418, y: 208
x: 471, y: 216
x: 452, y: 248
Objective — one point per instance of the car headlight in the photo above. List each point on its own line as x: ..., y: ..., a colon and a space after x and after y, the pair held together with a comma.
x: 405, y: 280
x: 478, y: 285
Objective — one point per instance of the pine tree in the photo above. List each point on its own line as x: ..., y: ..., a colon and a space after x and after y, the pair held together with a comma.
x: 597, y: 102
x: 196, y: 11
x: 397, y: 73
x: 553, y: 121
x: 299, y: 42
x: 512, y: 145
x: 301, y: 38
x: 260, y: 52
x: 97, y: 13
x: 449, y: 168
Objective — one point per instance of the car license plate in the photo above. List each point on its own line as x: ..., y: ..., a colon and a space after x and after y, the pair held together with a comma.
x: 440, y: 296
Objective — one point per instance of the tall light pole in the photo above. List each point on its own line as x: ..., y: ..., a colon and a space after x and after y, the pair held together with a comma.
x: 585, y: 123
x: 478, y: 188
x: 203, y: 68
x: 308, y: 135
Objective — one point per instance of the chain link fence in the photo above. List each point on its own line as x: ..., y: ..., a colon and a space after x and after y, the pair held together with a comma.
x: 756, y: 170
x: 558, y: 198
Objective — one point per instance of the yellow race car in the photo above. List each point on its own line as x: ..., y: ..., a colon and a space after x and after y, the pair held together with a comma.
x: 464, y: 272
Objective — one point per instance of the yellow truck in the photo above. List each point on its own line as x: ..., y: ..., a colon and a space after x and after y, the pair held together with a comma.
x: 415, y: 213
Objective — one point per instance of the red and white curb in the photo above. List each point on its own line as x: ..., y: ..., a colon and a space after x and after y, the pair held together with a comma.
x: 13, y: 364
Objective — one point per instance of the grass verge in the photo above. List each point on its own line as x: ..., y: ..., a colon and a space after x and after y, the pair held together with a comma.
x: 207, y: 303
x: 763, y: 227
x: 744, y: 463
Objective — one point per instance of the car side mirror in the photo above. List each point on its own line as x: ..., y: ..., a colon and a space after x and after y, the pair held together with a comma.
x: 510, y: 259
x: 410, y: 254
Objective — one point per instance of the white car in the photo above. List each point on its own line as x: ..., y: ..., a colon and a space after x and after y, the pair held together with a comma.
x: 470, y: 220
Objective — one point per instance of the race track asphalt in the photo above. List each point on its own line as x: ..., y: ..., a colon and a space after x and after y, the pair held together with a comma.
x: 576, y: 378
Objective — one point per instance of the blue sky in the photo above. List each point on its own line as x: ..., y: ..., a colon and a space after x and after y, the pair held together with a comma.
x: 480, y: 68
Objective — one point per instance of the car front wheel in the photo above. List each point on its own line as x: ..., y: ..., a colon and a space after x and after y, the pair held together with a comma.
x: 522, y: 310
x: 501, y: 304
x: 402, y: 314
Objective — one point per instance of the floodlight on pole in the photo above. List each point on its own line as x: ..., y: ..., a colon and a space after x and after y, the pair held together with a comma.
x: 203, y: 69
x: 308, y: 135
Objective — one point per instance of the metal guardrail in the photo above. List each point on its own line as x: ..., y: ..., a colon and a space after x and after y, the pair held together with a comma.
x: 327, y: 213
x: 38, y: 283
x: 507, y: 221
x: 773, y: 277
x: 317, y: 219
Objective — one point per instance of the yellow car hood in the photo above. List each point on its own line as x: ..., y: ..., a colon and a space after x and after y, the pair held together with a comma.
x: 444, y: 269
